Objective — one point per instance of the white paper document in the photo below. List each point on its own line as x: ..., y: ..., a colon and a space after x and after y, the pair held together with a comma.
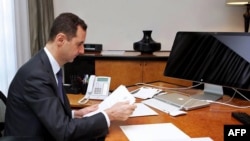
x: 146, y: 92
x: 158, y: 132
x: 119, y: 94
x: 199, y: 139
x: 143, y: 110
x: 154, y: 132
x: 194, y: 139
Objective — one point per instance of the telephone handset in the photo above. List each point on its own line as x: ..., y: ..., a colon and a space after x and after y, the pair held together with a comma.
x: 98, y: 88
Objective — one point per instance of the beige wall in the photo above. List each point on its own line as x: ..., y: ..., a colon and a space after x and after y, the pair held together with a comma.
x: 117, y: 24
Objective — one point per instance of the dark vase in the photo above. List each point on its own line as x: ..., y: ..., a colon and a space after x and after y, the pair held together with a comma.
x: 147, y: 45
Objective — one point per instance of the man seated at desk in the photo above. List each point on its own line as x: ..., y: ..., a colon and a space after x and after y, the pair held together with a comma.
x: 36, y: 104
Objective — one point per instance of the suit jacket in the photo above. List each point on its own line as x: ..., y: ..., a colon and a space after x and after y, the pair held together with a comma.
x: 34, y: 107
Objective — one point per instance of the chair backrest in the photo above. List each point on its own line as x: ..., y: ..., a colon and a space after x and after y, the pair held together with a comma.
x: 2, y: 111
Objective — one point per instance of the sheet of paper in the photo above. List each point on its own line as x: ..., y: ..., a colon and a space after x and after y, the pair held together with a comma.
x: 146, y: 92
x: 119, y: 94
x: 143, y: 110
x: 201, y: 139
x: 154, y: 132
x: 194, y: 139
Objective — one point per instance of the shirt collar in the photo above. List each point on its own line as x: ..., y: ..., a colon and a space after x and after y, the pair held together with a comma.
x: 55, y: 66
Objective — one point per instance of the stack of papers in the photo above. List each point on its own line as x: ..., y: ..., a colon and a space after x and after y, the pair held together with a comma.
x: 146, y: 92
x: 119, y: 94
x: 122, y: 94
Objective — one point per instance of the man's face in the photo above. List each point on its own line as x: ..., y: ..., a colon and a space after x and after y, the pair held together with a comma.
x: 75, y: 46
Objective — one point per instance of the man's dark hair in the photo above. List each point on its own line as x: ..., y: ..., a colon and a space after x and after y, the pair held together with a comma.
x: 66, y: 23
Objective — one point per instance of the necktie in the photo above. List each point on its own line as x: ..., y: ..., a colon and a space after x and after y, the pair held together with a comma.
x: 60, y: 84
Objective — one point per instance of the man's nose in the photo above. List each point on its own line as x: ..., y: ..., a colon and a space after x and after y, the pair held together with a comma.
x: 81, y: 50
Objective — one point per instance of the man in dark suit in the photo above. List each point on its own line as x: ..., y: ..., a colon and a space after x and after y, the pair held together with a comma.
x: 34, y: 104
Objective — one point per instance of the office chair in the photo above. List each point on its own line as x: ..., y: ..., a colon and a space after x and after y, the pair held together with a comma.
x: 2, y: 112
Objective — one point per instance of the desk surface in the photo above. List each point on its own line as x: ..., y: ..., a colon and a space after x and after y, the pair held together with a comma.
x: 203, y: 122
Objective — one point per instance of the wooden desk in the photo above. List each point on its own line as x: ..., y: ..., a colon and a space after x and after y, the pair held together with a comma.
x: 74, y: 98
x: 204, y: 122
x: 144, y: 67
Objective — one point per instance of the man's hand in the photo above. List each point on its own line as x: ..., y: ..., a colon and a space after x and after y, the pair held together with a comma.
x: 80, y: 113
x: 120, y: 111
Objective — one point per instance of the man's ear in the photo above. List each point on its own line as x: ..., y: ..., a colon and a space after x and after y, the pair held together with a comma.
x: 60, y: 39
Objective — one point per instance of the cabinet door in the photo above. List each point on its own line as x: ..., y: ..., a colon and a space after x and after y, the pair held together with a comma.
x: 153, y: 71
x: 121, y: 71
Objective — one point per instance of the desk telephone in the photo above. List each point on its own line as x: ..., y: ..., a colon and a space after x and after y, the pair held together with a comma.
x: 98, y: 88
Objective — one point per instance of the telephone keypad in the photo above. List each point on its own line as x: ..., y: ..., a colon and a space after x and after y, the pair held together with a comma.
x: 98, y: 88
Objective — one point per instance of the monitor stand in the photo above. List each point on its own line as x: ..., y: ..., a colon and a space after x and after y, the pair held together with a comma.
x: 210, y: 92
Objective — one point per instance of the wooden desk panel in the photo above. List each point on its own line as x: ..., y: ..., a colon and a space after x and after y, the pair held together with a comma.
x: 204, y: 122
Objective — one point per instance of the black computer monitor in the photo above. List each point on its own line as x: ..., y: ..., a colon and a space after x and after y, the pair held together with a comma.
x: 218, y: 59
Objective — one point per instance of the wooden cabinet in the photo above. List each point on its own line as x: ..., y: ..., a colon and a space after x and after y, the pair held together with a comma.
x: 129, y: 72
x: 127, y: 69
x: 121, y: 72
x: 132, y: 72
x: 153, y: 71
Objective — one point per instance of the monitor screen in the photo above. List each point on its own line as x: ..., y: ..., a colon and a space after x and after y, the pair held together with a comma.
x: 220, y: 58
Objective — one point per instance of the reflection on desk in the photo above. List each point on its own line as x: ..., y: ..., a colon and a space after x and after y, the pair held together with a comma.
x: 203, y: 122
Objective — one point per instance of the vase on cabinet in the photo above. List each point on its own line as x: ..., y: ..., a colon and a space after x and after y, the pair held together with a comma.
x: 147, y: 45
